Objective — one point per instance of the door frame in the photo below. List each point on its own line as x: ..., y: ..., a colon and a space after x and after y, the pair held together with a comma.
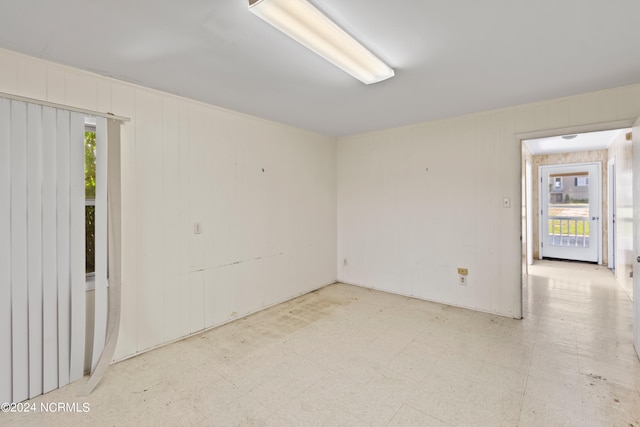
x: 635, y: 143
x: 529, y: 211
x: 598, y: 206
x: 611, y: 214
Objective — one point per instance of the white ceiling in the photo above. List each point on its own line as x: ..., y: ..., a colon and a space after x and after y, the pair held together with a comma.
x: 451, y: 57
x: 573, y: 142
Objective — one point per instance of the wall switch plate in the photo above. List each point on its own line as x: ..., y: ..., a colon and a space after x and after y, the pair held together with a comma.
x: 197, y: 228
x: 506, y: 202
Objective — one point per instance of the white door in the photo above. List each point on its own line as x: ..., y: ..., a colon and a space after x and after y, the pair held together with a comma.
x: 636, y: 235
x: 570, y: 211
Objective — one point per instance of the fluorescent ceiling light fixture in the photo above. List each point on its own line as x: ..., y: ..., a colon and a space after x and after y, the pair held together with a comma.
x: 301, y: 21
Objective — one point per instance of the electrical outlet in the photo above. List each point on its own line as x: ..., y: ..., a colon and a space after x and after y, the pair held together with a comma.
x: 462, y: 275
x: 506, y: 202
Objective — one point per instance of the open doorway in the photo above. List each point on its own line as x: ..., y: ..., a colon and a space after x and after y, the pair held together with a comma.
x: 613, y: 152
x: 548, y: 172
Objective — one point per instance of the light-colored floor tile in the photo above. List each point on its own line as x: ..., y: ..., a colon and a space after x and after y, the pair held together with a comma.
x: 342, y: 418
x: 410, y: 417
x: 623, y: 369
x: 512, y: 355
x: 478, y: 403
x: 389, y: 388
x: 514, y: 380
x: 416, y: 360
x: 562, y: 390
x: 308, y: 409
x: 611, y: 415
x: 536, y: 413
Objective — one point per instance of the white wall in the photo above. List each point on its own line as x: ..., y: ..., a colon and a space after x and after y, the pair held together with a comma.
x: 405, y: 230
x: 621, y: 151
x: 266, y: 236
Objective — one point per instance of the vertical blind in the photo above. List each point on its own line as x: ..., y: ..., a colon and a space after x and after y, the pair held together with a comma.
x: 42, y: 249
x: 100, y: 296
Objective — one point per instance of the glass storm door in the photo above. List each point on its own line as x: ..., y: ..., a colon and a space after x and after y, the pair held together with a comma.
x: 570, y: 211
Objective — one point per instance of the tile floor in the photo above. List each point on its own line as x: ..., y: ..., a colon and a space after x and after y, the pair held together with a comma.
x: 347, y: 356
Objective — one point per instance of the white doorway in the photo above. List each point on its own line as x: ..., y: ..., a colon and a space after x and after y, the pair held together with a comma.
x: 619, y: 222
x: 577, y: 148
x: 570, y: 196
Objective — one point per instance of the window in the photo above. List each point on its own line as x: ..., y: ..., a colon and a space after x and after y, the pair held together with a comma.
x: 90, y: 196
x: 557, y: 183
x: 581, y: 181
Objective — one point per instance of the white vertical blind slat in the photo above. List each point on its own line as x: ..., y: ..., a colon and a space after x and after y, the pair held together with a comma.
x: 77, y: 245
x: 5, y: 252
x: 100, y: 295
x: 34, y: 245
x: 19, y: 285
x: 63, y: 251
x: 49, y: 258
x: 114, y: 257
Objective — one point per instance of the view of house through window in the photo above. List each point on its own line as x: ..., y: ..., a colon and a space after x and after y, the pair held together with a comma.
x: 569, y: 223
x: 90, y: 196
